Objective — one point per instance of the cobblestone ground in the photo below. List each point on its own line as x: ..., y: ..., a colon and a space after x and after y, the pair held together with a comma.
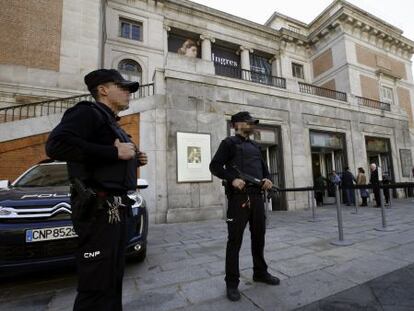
x: 184, y: 269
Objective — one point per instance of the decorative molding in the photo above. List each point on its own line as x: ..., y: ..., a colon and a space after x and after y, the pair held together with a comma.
x: 207, y: 37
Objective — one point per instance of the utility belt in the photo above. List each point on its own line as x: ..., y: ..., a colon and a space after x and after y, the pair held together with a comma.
x: 87, y: 203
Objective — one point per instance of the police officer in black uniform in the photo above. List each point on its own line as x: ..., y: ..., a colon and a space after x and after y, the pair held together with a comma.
x: 245, y: 201
x: 102, y: 165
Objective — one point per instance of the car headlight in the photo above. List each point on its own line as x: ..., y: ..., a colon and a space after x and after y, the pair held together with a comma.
x: 137, y: 198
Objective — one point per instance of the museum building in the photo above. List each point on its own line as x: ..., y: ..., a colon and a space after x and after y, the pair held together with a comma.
x: 334, y: 93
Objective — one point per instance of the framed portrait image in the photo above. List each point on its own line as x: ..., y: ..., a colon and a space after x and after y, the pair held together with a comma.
x: 193, y: 157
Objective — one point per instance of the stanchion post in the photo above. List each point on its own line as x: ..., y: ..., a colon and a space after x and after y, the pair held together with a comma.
x: 389, y: 197
x: 312, y: 195
x: 341, y: 241
x: 383, y: 216
x: 355, y: 201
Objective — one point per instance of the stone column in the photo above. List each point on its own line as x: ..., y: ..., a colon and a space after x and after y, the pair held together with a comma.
x: 165, y: 35
x: 276, y: 65
x: 206, y: 47
x: 245, y: 62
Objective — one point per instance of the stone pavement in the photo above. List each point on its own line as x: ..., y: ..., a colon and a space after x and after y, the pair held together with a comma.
x: 184, y: 269
x: 391, y: 292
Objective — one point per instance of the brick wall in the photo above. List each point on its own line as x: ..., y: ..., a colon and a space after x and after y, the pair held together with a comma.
x: 18, y: 155
x: 30, y: 33
x: 330, y: 85
x: 377, y: 61
x: 404, y: 100
x: 369, y: 87
x: 322, y: 63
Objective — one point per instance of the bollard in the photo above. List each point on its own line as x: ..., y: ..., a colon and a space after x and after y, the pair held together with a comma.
x: 383, y: 216
x: 312, y: 195
x: 356, y: 202
x: 341, y: 241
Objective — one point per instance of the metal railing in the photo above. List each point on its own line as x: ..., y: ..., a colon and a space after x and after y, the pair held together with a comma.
x: 249, y: 75
x: 38, y: 109
x: 321, y: 91
x: 44, y: 108
x: 144, y: 90
x: 372, y: 103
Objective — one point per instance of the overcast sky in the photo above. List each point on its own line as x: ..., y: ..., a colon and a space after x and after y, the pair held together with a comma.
x: 399, y: 13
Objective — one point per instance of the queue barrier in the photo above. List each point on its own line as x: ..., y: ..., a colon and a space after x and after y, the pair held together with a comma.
x: 341, y: 240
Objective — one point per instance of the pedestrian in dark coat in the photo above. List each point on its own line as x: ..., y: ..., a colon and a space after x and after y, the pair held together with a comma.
x: 374, y: 181
x: 348, y: 180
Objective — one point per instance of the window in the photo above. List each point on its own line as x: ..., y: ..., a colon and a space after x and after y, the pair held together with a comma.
x: 130, y: 29
x: 297, y: 71
x: 387, y: 95
x: 130, y: 70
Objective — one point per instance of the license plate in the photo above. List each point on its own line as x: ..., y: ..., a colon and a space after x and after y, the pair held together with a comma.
x: 48, y: 234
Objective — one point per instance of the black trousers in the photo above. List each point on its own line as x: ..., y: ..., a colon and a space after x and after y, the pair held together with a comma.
x: 100, y: 263
x: 237, y: 219
x: 377, y: 195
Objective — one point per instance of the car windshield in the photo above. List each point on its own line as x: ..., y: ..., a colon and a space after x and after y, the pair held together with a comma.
x: 46, y: 175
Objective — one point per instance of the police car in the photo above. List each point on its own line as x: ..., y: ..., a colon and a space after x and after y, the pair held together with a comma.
x: 35, y: 226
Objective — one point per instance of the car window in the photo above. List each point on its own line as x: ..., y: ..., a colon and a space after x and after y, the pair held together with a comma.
x: 45, y: 176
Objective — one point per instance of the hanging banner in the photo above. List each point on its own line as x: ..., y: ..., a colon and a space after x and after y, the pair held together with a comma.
x: 183, y: 45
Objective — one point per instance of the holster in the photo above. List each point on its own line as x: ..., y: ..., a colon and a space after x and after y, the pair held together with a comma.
x: 84, y: 202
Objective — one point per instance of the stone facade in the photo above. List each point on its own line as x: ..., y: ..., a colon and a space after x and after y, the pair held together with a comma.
x: 345, y: 50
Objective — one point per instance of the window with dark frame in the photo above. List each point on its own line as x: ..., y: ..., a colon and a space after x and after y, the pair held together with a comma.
x: 130, y: 29
x: 297, y: 71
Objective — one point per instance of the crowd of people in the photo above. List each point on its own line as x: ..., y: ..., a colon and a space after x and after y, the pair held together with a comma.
x: 347, y: 180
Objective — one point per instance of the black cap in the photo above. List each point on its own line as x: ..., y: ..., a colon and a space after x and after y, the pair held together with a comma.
x: 101, y: 76
x: 243, y: 116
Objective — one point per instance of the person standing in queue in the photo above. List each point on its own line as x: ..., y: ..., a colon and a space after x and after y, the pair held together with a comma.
x: 102, y: 166
x: 375, y: 182
x: 245, y: 201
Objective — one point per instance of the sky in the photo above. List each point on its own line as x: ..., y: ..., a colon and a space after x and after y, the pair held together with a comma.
x: 399, y: 13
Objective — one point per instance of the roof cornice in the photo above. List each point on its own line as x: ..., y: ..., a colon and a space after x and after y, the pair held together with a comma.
x: 226, y: 18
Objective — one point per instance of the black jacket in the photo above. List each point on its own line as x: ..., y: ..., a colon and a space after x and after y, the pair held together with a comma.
x: 244, y: 153
x: 85, y: 140
x: 347, y: 179
x: 374, y: 177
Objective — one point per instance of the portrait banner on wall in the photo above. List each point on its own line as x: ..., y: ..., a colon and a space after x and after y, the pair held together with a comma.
x: 193, y: 157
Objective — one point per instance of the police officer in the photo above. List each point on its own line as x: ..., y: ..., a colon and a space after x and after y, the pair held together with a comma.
x: 245, y: 202
x: 102, y: 166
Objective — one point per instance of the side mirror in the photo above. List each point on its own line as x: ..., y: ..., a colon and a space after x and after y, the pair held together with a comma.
x: 142, y: 183
x: 4, y: 184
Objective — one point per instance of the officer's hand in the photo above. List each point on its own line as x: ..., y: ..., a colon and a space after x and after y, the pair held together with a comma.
x: 142, y: 158
x: 266, y: 184
x: 238, y: 183
x: 126, y: 151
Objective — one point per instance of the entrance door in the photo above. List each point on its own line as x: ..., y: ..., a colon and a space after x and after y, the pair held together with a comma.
x: 316, y: 165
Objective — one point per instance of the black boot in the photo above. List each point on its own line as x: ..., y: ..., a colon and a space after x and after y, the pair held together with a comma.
x: 233, y: 293
x: 267, y: 279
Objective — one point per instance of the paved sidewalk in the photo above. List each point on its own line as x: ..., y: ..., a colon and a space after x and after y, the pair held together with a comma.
x: 184, y: 269
x: 391, y: 292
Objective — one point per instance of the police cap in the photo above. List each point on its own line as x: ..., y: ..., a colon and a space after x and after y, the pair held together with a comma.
x: 101, y: 76
x: 243, y: 116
